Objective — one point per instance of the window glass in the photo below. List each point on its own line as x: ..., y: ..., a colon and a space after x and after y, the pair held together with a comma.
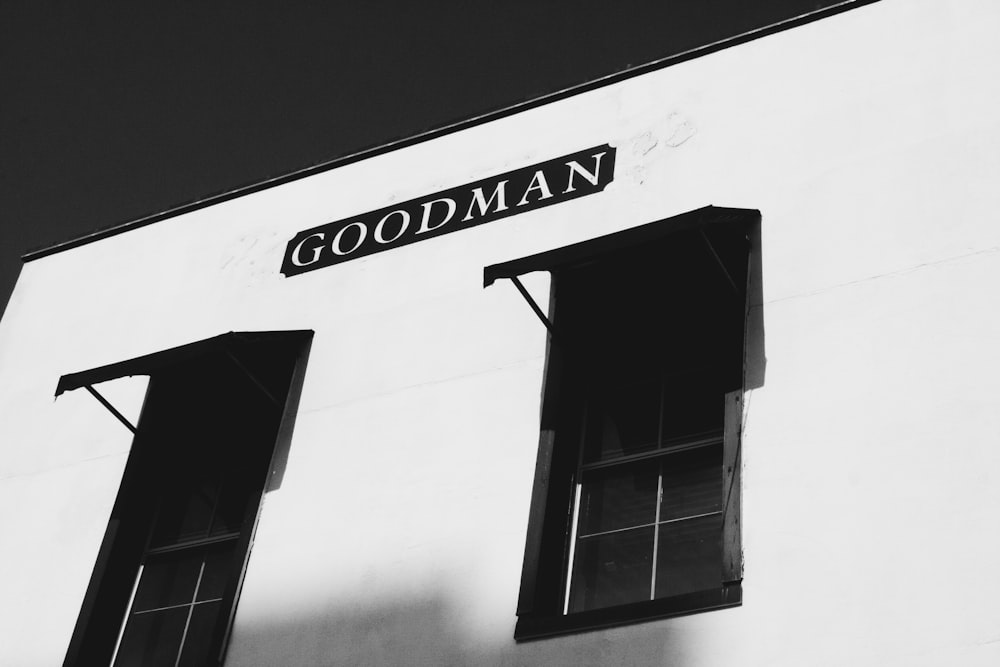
x: 218, y: 564
x: 688, y: 556
x: 618, y: 497
x: 622, y: 535
x: 197, y: 641
x: 168, y: 579
x: 692, y: 482
x: 612, y: 569
x: 152, y: 639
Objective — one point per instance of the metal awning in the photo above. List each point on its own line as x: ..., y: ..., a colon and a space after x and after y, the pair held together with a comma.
x: 602, y: 246
x: 227, y: 345
x: 150, y: 363
x: 623, y: 240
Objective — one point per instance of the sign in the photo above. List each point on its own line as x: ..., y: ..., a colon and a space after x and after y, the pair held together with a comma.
x: 544, y: 184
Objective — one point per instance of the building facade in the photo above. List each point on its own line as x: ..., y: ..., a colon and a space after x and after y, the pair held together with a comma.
x: 692, y: 367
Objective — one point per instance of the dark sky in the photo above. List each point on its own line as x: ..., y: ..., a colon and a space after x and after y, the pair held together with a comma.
x: 113, y: 111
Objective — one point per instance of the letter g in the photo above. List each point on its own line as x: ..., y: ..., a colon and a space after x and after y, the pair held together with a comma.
x: 316, y: 250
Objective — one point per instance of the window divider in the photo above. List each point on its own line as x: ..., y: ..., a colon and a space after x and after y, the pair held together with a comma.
x: 653, y: 453
x: 656, y: 522
x: 193, y: 544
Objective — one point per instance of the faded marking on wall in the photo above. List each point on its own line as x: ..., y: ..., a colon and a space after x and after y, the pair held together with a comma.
x: 672, y: 132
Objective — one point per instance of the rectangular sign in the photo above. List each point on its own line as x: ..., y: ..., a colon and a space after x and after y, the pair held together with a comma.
x: 551, y: 182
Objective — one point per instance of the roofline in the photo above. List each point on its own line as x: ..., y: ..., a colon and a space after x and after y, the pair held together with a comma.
x: 443, y: 130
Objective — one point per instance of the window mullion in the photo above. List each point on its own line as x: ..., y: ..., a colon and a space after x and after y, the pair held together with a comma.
x: 187, y: 621
x: 656, y: 531
x: 659, y: 487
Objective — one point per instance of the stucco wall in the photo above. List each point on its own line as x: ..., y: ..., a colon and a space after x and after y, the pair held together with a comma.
x: 868, y: 141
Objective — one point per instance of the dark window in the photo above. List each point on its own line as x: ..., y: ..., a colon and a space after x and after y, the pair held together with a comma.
x: 168, y: 575
x: 635, y: 508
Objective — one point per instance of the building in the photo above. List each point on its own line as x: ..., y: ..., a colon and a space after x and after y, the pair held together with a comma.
x: 728, y: 397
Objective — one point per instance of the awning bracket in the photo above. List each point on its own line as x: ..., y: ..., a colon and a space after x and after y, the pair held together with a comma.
x: 253, y: 378
x: 119, y: 416
x: 718, y: 260
x: 534, y: 306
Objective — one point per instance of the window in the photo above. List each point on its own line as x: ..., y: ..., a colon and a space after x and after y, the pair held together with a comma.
x: 648, y: 507
x: 168, y: 574
x: 635, y: 509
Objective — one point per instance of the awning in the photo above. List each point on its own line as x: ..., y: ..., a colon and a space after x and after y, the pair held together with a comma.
x: 151, y: 363
x: 623, y: 240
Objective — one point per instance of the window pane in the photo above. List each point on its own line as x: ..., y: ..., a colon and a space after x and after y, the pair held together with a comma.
x: 612, y: 569
x: 167, y: 579
x: 152, y: 639
x: 618, y: 497
x: 623, y: 420
x: 218, y: 565
x: 197, y: 643
x: 689, y: 556
x: 692, y: 483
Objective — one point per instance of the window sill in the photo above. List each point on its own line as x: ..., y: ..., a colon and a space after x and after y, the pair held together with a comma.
x: 531, y: 627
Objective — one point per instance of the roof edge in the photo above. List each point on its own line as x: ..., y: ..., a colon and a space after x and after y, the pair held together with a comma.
x: 444, y: 130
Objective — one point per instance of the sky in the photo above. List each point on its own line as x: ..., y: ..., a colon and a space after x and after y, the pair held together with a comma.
x: 110, y: 112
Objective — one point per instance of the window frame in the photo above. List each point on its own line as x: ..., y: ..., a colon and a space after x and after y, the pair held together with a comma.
x: 655, y: 463
x: 540, y: 611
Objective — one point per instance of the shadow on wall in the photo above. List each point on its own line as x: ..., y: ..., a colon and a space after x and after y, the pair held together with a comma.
x: 431, y: 631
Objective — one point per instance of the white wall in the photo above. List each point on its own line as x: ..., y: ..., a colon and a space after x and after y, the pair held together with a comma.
x: 869, y: 142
